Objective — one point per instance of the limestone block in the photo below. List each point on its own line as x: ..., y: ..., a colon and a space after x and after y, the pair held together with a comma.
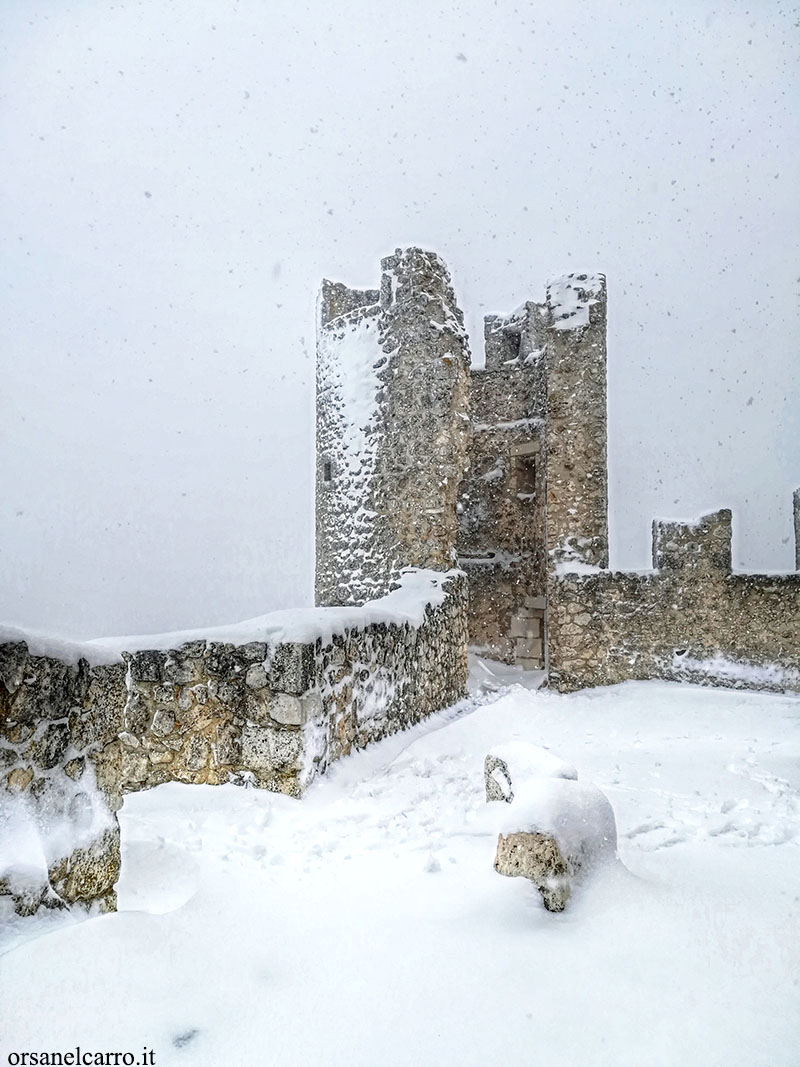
x: 552, y: 828
x: 256, y: 677
x: 133, y: 766
x: 49, y: 747
x: 160, y: 755
x: 74, y: 768
x: 197, y: 753
x: 287, y: 749
x: 20, y: 733
x: 254, y: 652
x: 163, y: 722
x: 256, y: 749
x: 537, y: 857
x: 180, y: 671
x: 13, y: 660
x: 265, y: 749
x: 291, y: 668
x: 137, y: 713
x: 287, y: 709
x: 185, y: 698
x: 227, y: 749
x: 313, y: 706
x: 223, y: 660
x: 19, y: 779
x: 147, y: 666
x: 89, y: 873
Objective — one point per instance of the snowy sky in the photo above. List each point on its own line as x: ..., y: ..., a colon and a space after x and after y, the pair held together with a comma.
x: 177, y: 178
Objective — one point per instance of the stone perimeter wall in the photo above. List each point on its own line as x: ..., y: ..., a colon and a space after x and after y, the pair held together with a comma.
x: 272, y: 716
x: 690, y: 619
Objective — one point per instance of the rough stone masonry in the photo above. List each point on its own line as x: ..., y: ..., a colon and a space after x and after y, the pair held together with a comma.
x: 422, y: 462
x: 271, y: 704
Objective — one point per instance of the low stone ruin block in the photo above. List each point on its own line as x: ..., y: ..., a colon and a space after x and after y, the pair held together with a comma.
x: 552, y: 828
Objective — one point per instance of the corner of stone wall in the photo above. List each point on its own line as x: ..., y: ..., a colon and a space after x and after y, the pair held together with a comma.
x: 375, y: 680
x: 796, y: 516
x: 59, y: 838
x: 336, y: 299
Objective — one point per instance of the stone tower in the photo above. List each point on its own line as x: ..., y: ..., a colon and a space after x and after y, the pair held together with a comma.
x: 536, y: 494
x: 576, y: 421
x: 502, y: 503
x: 393, y: 428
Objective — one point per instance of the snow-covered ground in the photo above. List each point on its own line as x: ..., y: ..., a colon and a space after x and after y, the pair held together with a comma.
x: 365, y: 925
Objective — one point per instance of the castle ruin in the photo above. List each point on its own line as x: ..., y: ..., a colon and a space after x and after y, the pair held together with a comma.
x: 455, y: 506
x: 504, y: 469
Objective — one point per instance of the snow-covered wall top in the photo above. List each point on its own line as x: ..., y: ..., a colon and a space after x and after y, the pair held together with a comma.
x: 269, y: 702
x: 570, y: 297
x: 689, y: 619
x: 416, y: 589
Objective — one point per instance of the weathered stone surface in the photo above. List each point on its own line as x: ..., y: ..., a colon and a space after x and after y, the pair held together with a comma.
x: 147, y: 666
x: 48, y: 748
x: 689, y: 620
x: 256, y: 747
x: 19, y: 779
x: 291, y: 668
x: 163, y: 722
x: 497, y: 779
x: 388, y: 478
x: 74, y: 768
x: 256, y: 677
x: 90, y: 873
x: 537, y: 857
x: 136, y: 713
x: 287, y: 710
x: 197, y: 753
x: 13, y: 658
x: 54, y: 718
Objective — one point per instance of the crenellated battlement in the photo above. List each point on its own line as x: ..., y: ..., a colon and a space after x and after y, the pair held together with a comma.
x: 694, y: 546
x: 336, y: 299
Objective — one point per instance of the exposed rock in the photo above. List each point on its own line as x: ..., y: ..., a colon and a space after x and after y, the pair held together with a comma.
x: 256, y: 676
x: 291, y: 667
x: 555, y: 829
x: 497, y: 779
x: 49, y: 747
x: 89, y: 873
x: 19, y: 779
x: 163, y: 722
x: 287, y: 710
x: 197, y: 753
x: 537, y: 857
x: 74, y: 768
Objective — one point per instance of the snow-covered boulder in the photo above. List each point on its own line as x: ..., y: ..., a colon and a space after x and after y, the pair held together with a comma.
x: 551, y: 828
